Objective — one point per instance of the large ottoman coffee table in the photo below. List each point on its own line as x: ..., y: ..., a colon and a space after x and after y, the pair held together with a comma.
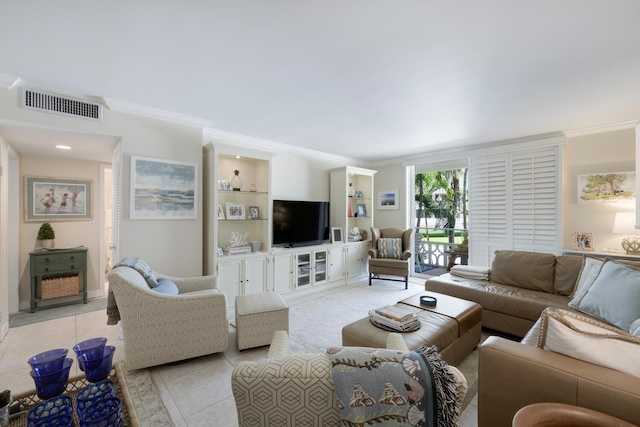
x: 453, y: 325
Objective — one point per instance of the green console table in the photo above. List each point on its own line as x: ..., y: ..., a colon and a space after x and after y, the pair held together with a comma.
x: 48, y: 264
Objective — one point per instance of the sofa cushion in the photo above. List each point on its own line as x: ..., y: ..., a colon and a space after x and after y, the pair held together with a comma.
x: 166, y: 286
x: 614, y: 296
x: 390, y: 248
x: 588, y: 273
x: 567, y: 270
x: 584, y: 338
x: 528, y: 270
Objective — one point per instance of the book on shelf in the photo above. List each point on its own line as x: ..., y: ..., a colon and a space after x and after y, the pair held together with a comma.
x: 396, y: 313
x: 237, y: 250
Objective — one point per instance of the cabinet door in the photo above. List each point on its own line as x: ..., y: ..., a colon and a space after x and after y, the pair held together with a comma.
x: 336, y: 263
x: 303, y: 269
x: 319, y: 267
x: 283, y: 273
x: 255, y: 278
x: 230, y: 279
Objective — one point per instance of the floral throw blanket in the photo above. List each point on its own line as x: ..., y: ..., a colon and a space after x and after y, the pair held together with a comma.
x: 393, y: 388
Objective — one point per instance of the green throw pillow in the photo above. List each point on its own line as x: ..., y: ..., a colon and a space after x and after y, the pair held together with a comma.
x: 390, y: 248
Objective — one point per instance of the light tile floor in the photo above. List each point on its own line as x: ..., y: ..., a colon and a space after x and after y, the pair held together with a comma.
x: 196, y: 392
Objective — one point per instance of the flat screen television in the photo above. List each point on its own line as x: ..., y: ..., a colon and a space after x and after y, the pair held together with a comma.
x: 300, y: 223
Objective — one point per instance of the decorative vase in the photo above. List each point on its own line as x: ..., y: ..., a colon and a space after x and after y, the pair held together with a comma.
x: 236, y: 182
x: 47, y: 244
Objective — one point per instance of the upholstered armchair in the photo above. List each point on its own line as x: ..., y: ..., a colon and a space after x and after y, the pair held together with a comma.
x: 293, y: 390
x: 161, y: 328
x: 390, y: 254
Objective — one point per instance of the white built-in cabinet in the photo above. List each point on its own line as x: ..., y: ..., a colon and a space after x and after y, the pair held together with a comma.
x: 285, y: 270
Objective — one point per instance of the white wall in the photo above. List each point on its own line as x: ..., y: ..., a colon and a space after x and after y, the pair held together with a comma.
x: 590, y: 154
x: 390, y: 177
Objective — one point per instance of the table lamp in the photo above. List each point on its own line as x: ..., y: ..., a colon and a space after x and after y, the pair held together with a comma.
x: 625, y: 224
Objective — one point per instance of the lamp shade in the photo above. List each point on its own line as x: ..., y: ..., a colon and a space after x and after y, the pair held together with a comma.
x: 625, y: 223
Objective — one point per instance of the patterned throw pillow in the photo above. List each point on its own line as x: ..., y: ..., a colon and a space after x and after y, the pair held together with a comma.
x: 390, y: 248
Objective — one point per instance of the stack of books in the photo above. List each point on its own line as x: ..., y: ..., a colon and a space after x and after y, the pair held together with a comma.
x: 237, y: 250
x: 395, y: 318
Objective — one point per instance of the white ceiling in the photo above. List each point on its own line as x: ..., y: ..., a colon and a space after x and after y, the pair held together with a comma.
x: 367, y: 79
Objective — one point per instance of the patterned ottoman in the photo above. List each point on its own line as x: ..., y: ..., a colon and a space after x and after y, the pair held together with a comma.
x: 258, y: 316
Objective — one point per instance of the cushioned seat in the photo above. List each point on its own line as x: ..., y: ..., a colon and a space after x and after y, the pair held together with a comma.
x: 258, y: 316
x: 390, y: 254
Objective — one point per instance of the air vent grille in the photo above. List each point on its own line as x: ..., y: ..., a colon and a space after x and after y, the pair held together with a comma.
x: 53, y: 103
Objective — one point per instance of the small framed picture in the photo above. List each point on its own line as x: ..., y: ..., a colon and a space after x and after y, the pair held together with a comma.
x: 336, y: 235
x: 361, y: 210
x: 220, y: 251
x: 220, y: 212
x: 357, y: 195
x: 388, y: 199
x: 236, y: 211
x: 583, y: 241
x: 224, y: 185
x: 254, y: 212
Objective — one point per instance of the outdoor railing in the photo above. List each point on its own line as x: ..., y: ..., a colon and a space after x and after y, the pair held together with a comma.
x: 431, y: 252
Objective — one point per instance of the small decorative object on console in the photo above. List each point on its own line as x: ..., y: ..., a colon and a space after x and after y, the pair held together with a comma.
x: 236, y: 182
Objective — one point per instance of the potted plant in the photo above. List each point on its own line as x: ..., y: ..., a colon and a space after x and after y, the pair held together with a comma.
x: 46, y: 235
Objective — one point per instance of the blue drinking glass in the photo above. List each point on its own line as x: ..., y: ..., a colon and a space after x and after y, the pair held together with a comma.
x: 49, y: 361
x: 92, y: 348
x: 94, y: 392
x: 50, y: 409
x: 98, y: 369
x: 54, y: 383
x: 103, y: 413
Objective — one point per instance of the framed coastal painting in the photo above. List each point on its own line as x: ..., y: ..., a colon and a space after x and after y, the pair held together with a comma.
x: 163, y: 189
x: 608, y: 187
x: 388, y: 199
x: 57, y: 199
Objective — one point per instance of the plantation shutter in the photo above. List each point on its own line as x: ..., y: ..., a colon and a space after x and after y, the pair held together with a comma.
x: 514, y: 203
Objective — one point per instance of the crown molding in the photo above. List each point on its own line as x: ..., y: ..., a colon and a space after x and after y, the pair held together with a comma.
x: 629, y: 124
x: 154, y: 113
x: 215, y: 135
x: 9, y: 82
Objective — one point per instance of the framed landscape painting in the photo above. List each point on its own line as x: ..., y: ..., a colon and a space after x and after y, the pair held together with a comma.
x: 57, y: 199
x: 388, y: 199
x: 608, y: 187
x: 163, y: 189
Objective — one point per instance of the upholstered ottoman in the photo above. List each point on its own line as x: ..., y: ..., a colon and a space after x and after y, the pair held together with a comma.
x: 258, y: 316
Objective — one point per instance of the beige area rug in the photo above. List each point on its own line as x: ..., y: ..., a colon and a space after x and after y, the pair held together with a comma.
x: 315, y: 323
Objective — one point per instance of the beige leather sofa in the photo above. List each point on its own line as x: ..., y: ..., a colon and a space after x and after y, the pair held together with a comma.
x: 512, y: 375
x: 515, y: 374
x: 296, y: 389
x: 520, y: 286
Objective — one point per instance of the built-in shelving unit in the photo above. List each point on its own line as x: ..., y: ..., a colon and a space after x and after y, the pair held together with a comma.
x: 352, y: 201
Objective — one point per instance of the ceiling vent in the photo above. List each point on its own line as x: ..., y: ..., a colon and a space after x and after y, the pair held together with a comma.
x: 53, y: 103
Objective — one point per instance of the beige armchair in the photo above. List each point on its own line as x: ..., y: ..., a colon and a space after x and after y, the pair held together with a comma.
x: 160, y: 328
x: 387, y: 261
x: 294, y: 390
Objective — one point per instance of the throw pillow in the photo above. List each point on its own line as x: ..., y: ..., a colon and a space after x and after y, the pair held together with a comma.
x: 166, y: 286
x: 614, y: 296
x: 584, y: 338
x: 590, y: 269
x: 390, y: 248
x: 635, y: 328
x: 522, y: 269
x: 141, y: 267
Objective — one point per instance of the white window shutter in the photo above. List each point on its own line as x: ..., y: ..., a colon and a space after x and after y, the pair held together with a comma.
x: 514, y: 203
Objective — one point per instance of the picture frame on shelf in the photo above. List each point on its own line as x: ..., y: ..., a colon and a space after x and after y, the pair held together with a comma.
x: 336, y: 235
x: 220, y: 212
x: 361, y: 210
x: 224, y: 185
x: 163, y: 189
x: 220, y: 252
x: 388, y: 199
x: 357, y: 195
x: 583, y: 241
x: 254, y: 212
x: 236, y: 211
x: 57, y: 199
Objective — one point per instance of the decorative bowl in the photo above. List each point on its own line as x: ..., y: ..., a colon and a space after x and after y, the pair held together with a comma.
x: 49, y: 410
x: 52, y: 384
x: 92, y: 348
x: 98, y: 369
x: 103, y: 413
x: 94, y: 392
x: 49, y: 361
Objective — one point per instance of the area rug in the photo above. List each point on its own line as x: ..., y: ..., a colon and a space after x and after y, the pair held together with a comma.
x: 332, y: 311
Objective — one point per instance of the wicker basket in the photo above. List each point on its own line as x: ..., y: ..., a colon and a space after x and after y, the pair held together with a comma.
x: 60, y: 286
